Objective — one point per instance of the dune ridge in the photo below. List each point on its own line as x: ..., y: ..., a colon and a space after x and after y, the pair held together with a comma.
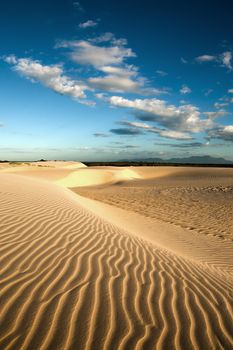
x: 72, y: 280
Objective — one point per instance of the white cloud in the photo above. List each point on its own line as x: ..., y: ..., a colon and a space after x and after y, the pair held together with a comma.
x: 178, y: 135
x: 185, y: 118
x: 216, y: 114
x: 220, y: 105
x: 223, y: 59
x: 115, y: 83
x: 206, y: 58
x: 226, y: 59
x: 51, y: 76
x: 120, y: 79
x: 11, y: 59
x: 110, y: 59
x: 185, y: 90
x: 127, y: 70
x: 86, y: 53
x: 88, y: 24
x: 230, y: 91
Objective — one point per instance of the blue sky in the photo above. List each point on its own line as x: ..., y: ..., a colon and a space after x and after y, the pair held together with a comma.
x: 108, y: 80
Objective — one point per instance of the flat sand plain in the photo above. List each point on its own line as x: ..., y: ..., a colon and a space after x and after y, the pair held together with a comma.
x: 115, y: 258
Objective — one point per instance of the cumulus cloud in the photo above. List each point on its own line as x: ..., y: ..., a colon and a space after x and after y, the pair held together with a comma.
x: 108, y: 55
x: 88, y: 24
x: 185, y: 118
x: 185, y: 90
x: 51, y: 76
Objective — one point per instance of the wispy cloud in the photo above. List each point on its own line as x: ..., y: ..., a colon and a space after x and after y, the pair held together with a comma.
x: 161, y: 73
x: 224, y: 59
x: 216, y: 114
x: 171, y: 134
x: 185, y: 90
x: 126, y: 131
x: 194, y: 144
x: 108, y: 37
x: 101, y: 134
x: 77, y: 5
x: 219, y: 105
x: 88, y: 24
x: 183, y: 60
x: 206, y: 58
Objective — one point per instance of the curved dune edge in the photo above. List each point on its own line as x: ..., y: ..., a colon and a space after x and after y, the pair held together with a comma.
x: 91, y: 177
x: 72, y: 280
x: 76, y: 174
x: 196, y: 246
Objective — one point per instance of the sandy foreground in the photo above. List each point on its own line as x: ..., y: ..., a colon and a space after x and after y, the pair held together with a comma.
x: 115, y: 258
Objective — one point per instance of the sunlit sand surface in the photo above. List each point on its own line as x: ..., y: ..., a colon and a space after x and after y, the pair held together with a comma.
x: 115, y: 258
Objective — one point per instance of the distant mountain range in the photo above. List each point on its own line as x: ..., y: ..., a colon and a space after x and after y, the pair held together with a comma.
x: 188, y: 160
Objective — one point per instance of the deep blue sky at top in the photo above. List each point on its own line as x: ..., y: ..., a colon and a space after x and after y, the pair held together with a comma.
x: 166, y: 36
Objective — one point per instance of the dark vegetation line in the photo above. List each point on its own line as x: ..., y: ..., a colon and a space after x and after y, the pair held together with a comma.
x: 133, y: 163
x: 122, y: 164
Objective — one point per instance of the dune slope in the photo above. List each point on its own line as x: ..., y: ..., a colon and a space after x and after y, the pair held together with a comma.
x: 72, y: 280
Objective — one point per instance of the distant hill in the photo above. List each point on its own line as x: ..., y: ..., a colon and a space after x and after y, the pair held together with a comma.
x: 206, y: 161
x: 187, y: 160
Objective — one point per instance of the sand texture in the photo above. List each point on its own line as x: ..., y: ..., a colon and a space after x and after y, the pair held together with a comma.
x: 152, y: 270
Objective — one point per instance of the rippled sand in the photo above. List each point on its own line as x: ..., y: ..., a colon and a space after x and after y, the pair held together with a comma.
x: 152, y: 270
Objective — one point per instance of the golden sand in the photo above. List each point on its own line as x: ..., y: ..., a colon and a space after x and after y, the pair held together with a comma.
x: 138, y: 258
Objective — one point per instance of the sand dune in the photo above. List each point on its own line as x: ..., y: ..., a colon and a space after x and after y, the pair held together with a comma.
x: 97, y: 176
x: 73, y: 279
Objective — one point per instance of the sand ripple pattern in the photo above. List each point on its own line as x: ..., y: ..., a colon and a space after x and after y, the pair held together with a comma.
x: 185, y: 206
x: 70, y: 280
